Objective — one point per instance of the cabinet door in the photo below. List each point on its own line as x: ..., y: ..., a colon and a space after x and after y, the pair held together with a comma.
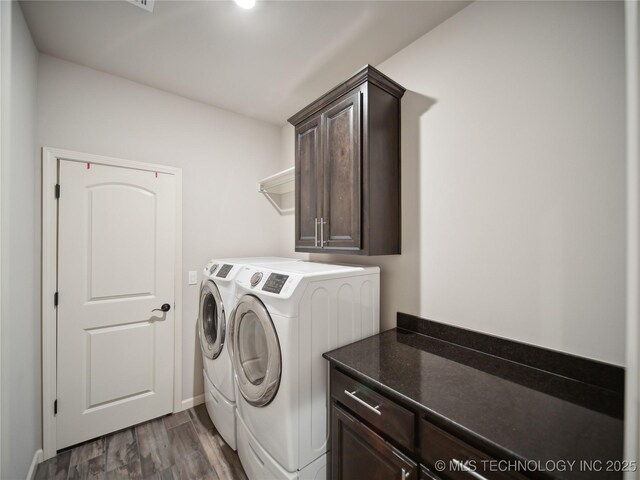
x: 308, y: 193
x: 341, y: 143
x: 461, y: 460
x: 358, y: 452
x: 426, y: 474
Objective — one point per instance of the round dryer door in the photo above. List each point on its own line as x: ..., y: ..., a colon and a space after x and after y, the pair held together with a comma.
x: 211, y: 320
x: 256, y: 351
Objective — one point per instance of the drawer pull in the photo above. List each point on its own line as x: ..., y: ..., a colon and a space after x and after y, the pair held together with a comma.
x: 375, y: 409
x: 464, y: 468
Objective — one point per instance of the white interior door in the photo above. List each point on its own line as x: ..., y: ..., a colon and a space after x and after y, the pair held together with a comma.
x: 116, y: 262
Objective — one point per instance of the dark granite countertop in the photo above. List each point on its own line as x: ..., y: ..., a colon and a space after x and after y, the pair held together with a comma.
x: 508, y: 409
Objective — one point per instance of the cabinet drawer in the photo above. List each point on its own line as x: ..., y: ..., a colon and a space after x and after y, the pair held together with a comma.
x: 380, y: 412
x: 461, y: 461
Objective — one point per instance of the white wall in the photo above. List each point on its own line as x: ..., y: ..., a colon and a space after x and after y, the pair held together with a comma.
x: 222, y: 155
x: 513, y: 180
x: 20, y: 277
x: 287, y: 222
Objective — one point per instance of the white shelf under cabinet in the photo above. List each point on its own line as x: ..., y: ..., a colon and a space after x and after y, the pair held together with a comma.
x: 277, y: 188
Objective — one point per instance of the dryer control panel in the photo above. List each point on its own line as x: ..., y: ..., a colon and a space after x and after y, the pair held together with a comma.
x: 267, y: 282
x: 274, y: 283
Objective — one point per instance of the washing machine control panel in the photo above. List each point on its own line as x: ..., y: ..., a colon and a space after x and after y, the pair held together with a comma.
x: 274, y: 283
x: 210, y: 268
x: 224, y: 270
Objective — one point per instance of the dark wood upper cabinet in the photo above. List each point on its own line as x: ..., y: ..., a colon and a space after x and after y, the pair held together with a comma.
x: 308, y: 196
x: 342, y: 174
x: 348, y: 168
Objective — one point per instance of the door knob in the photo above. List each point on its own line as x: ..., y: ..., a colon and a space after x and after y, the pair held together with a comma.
x: 164, y: 308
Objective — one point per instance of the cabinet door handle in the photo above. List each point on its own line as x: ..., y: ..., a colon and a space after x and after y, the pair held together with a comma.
x: 321, y: 232
x: 464, y: 468
x: 315, y: 234
x: 404, y: 474
x: 375, y: 409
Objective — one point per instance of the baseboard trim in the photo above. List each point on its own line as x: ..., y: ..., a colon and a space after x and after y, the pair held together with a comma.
x: 193, y: 401
x: 37, y: 458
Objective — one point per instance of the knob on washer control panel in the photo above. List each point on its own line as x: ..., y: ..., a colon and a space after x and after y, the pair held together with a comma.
x: 255, y: 278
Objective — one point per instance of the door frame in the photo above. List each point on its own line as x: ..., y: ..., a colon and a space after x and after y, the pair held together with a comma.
x: 632, y: 385
x: 50, y: 157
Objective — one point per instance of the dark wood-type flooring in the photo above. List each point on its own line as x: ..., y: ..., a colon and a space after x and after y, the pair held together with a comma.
x: 182, y: 446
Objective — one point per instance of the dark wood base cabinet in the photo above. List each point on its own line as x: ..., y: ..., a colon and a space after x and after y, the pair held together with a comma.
x: 347, y: 158
x: 358, y: 452
x: 375, y: 438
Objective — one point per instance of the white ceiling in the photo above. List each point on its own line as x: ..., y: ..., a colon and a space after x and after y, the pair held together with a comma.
x: 266, y: 63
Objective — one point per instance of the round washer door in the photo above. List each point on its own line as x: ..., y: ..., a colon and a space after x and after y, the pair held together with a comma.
x: 256, y: 352
x: 211, y: 320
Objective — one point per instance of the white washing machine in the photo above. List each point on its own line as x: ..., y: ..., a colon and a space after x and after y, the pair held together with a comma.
x: 217, y: 299
x: 286, y: 317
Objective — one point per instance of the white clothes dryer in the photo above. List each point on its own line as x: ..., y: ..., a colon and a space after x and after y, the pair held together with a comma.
x: 286, y: 317
x: 217, y: 299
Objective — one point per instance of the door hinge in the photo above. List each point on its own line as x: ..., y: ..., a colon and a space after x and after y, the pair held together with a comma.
x: 57, y: 190
x: 55, y: 299
x: 55, y: 406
